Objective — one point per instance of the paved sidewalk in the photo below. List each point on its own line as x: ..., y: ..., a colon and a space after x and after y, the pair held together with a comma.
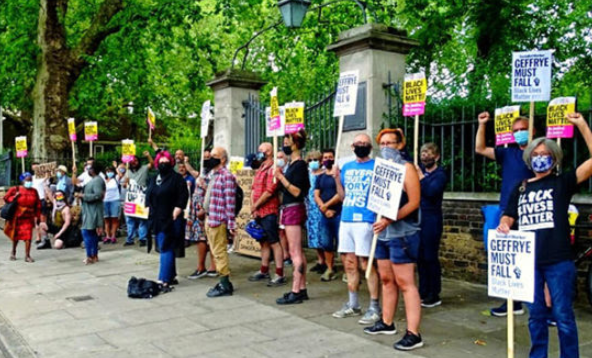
x: 57, y: 307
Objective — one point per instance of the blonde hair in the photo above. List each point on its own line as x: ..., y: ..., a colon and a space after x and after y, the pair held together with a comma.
x: 313, y: 155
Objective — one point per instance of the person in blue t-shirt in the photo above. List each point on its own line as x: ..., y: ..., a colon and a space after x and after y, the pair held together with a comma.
x: 514, y: 171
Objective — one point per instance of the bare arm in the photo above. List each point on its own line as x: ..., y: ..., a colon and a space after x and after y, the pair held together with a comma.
x: 480, y: 147
x: 337, y: 176
x: 317, y: 198
x: 150, y: 160
x: 194, y: 173
x: 336, y: 199
x: 67, y: 220
x: 152, y: 144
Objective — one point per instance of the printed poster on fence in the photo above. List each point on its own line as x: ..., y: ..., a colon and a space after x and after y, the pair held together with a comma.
x: 205, y: 118
x: 135, y: 201
x: 386, y: 188
x: 347, y: 94
x: 531, y: 76
x: 294, y: 113
x: 281, y: 130
x: 510, y: 265
x: 91, y: 131
x: 415, y: 89
x: 128, y: 150
x: 243, y: 242
x: 21, y: 146
x: 275, y: 120
x: 557, y: 125
x: 72, y: 129
x: 504, y: 119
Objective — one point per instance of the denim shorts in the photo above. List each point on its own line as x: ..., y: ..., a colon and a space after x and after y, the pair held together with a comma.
x: 111, y: 209
x: 269, y: 224
x: 400, y: 250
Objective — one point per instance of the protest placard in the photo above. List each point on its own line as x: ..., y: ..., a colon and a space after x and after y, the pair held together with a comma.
x: 236, y: 164
x: 415, y: 89
x: 504, y: 119
x: 386, y: 188
x: 135, y: 201
x: 279, y: 132
x: 557, y: 125
x: 91, y: 131
x: 21, y: 146
x: 531, y: 76
x: 151, y: 119
x: 205, y: 118
x: 72, y: 129
x: 46, y: 168
x: 128, y: 150
x: 243, y: 242
x: 510, y: 261
x: 294, y: 116
x: 347, y: 94
x: 275, y: 120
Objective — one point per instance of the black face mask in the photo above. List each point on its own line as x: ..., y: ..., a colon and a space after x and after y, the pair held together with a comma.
x: 362, y: 151
x: 428, y: 163
x: 287, y: 149
x: 211, y: 163
x: 328, y: 164
x: 165, y: 168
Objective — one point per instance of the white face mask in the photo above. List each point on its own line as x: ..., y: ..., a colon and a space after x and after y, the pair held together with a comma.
x: 281, y: 163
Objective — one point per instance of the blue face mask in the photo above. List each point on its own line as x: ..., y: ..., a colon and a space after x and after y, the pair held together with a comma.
x: 541, y: 163
x: 260, y: 156
x: 281, y: 163
x: 59, y: 175
x: 28, y: 184
x: 110, y: 175
x: 314, y: 165
x: 521, y: 137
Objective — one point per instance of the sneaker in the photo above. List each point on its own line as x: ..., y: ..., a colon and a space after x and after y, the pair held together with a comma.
x: 219, y: 290
x: 43, y: 245
x: 230, y: 248
x: 288, y: 262
x: 127, y: 243
x: 409, y: 342
x: 289, y: 298
x: 502, y: 311
x: 143, y: 243
x: 370, y: 317
x: 347, y: 311
x: 259, y: 276
x: 381, y: 328
x: 197, y: 274
x: 278, y: 281
x: 318, y: 268
x: 551, y: 323
x: 212, y: 273
x: 328, y: 275
x: 431, y: 302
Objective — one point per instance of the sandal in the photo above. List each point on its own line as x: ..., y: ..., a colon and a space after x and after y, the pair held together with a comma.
x: 12, y: 257
x: 88, y: 261
x: 29, y: 259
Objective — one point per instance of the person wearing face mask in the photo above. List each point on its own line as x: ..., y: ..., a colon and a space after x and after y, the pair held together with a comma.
x: 282, y: 162
x: 294, y: 186
x: 111, y: 205
x: 136, y: 180
x: 355, y: 229
x: 315, y: 232
x: 92, y: 213
x: 433, y: 180
x: 64, y: 182
x: 65, y: 234
x: 514, y: 171
x: 265, y: 209
x: 84, y: 178
x: 26, y: 216
x: 167, y: 197
x: 540, y: 205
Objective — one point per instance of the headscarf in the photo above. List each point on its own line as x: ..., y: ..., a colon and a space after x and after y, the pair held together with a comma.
x: 24, y: 176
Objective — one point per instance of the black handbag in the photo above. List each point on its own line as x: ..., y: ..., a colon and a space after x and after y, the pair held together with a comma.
x: 142, y: 288
x: 8, y: 210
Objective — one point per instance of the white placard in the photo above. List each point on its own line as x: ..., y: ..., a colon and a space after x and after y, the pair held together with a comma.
x: 386, y: 188
x: 510, y: 265
x: 205, y: 118
x: 347, y: 94
x: 282, y: 130
x: 531, y: 76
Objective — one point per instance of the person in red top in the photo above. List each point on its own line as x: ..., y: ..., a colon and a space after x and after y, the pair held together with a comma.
x: 26, y: 217
x: 265, y: 208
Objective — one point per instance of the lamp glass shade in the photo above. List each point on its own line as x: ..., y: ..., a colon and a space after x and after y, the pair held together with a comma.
x: 293, y: 12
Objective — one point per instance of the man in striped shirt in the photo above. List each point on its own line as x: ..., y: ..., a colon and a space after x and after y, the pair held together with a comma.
x: 219, y: 204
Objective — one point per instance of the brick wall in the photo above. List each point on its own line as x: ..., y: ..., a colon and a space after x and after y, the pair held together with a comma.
x: 462, y: 253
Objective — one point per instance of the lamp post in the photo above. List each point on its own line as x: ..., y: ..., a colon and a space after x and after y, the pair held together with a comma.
x: 293, y: 12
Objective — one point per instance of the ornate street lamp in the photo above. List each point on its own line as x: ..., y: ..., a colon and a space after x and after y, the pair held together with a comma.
x: 293, y: 12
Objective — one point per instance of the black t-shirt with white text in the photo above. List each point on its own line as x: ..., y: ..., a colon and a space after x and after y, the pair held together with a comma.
x: 542, y: 208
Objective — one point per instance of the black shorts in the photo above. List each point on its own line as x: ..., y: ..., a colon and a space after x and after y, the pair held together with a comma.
x: 269, y: 224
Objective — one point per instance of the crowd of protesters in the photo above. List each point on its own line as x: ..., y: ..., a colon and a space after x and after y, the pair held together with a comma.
x: 305, y: 193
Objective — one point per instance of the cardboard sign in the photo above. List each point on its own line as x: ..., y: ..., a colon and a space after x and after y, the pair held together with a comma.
x: 72, y: 129
x: 294, y: 113
x: 281, y: 131
x: 128, y: 150
x: 510, y: 265
x: 275, y: 120
x: 557, y: 125
x: 46, y: 168
x: 386, y: 188
x: 504, y: 119
x: 205, y: 118
x: 91, y: 131
x: 531, y: 76
x: 151, y: 119
x: 415, y: 89
x: 21, y: 146
x: 135, y: 201
x: 243, y: 242
x: 236, y: 164
x: 347, y: 94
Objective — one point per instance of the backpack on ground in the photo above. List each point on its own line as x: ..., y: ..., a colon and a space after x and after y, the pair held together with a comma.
x: 142, y: 288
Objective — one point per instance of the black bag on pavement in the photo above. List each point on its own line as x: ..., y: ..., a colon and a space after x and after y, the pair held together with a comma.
x: 142, y: 288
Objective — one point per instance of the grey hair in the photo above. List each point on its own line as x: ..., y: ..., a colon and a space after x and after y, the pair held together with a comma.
x: 224, y: 154
x: 552, y: 147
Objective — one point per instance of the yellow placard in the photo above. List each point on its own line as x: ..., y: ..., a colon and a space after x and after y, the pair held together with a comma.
x: 72, y: 128
x: 151, y: 119
x: 91, y: 131
x: 275, y: 107
x: 236, y: 164
x: 556, y: 111
x: 128, y: 148
x: 504, y: 120
x: 415, y: 90
x: 21, y: 144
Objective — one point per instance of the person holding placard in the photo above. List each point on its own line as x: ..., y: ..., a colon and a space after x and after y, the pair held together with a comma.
x: 540, y: 204
x: 295, y: 184
x: 433, y: 182
x: 355, y: 229
x: 64, y: 182
x: 397, y: 251
x: 514, y: 171
x: 136, y: 179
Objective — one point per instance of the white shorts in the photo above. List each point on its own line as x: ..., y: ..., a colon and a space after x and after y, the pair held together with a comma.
x: 355, y: 237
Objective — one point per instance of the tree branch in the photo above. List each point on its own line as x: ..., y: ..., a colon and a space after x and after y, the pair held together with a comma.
x: 16, y: 118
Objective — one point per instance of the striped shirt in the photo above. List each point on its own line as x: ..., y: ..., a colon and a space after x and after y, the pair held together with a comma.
x: 221, y: 199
